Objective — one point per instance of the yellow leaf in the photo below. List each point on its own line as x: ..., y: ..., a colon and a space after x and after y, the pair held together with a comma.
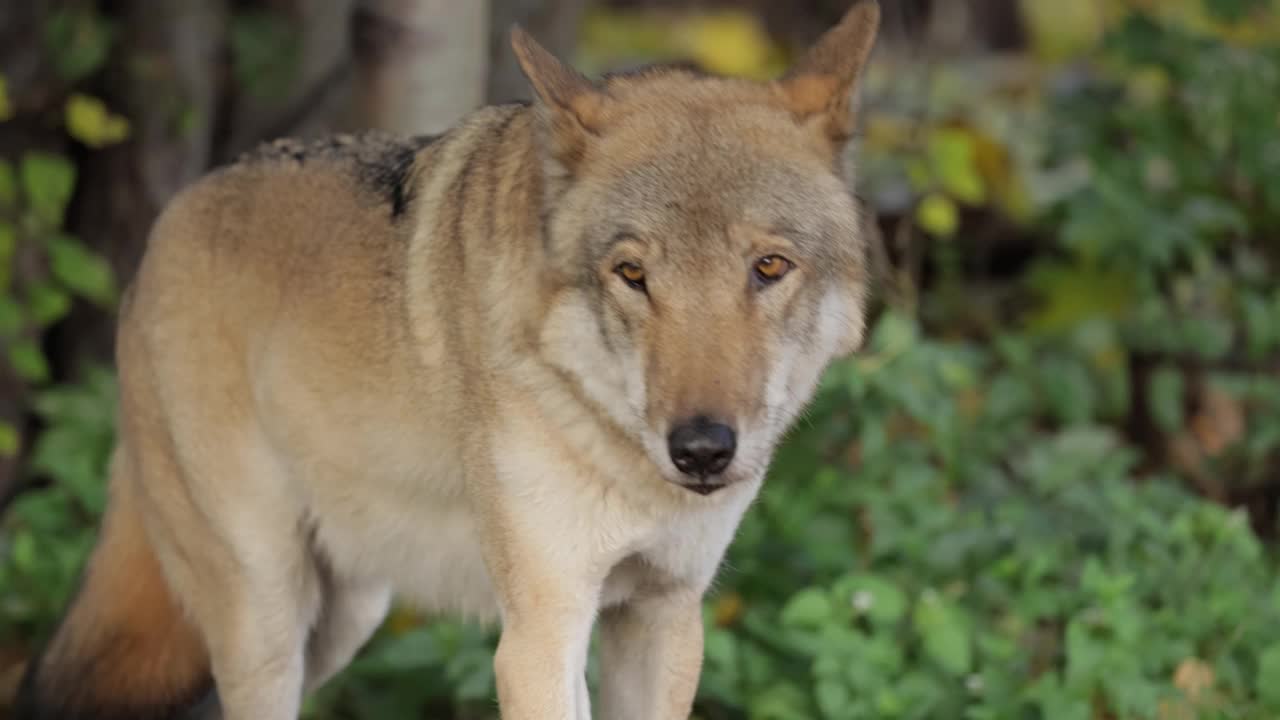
x: 938, y: 215
x: 1070, y: 295
x: 728, y: 609
x: 952, y: 154
x: 1061, y: 29
x: 1008, y: 189
x: 886, y: 132
x: 9, y: 440
x: 402, y: 620
x: 731, y: 43
x: 1175, y: 710
x: 611, y: 36
x: 1148, y: 86
x: 90, y: 122
x: 6, y: 108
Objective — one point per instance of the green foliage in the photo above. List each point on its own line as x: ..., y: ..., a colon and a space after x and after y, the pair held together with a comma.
x: 57, y: 267
x: 78, y: 39
x: 981, y: 567
x: 47, y: 534
x: 43, y: 270
x: 265, y: 50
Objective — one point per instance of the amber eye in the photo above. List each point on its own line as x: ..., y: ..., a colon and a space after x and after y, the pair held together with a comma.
x: 632, y: 274
x: 772, y: 268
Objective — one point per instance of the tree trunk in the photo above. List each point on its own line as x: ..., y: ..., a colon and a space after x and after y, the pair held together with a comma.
x: 420, y: 64
x: 166, y: 80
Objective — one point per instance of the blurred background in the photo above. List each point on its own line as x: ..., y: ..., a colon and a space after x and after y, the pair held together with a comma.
x: 1047, y: 489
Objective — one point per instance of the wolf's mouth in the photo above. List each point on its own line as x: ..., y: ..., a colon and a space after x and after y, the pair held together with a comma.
x: 704, y: 488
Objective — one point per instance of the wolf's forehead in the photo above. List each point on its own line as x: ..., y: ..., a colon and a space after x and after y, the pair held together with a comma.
x: 717, y: 189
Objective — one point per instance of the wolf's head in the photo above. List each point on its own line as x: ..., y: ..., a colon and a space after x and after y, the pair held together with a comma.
x: 709, y: 249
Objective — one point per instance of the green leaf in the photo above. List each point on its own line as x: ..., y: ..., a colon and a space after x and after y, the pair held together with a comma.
x: 8, y: 243
x: 1165, y: 395
x: 721, y: 647
x: 1233, y: 10
x: 75, y: 458
x: 938, y: 215
x: 1262, y: 326
x: 414, y: 650
x: 8, y: 185
x: 894, y: 333
x: 876, y: 597
x: 8, y: 247
x: 833, y: 698
x: 809, y: 608
x: 28, y: 361
x: 1067, y: 388
x: 944, y: 634
x: 79, y: 41
x: 6, y: 107
x: 9, y: 440
x: 25, y: 554
x: 265, y: 51
x: 48, y: 181
x: 1211, y: 339
x: 10, y: 317
x: 47, y: 304
x: 781, y: 701
x: 1071, y: 294
x: 89, y: 121
x: 1268, y: 680
x: 80, y: 270
x: 88, y: 405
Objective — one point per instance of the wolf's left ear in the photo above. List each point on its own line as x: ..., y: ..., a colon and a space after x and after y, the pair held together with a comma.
x: 821, y: 84
x: 573, y: 106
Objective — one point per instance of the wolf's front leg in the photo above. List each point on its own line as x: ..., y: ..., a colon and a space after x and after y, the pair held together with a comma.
x: 540, y: 664
x: 651, y: 653
x: 548, y: 609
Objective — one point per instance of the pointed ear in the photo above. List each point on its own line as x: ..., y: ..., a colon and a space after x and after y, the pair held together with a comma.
x: 821, y: 84
x: 573, y: 107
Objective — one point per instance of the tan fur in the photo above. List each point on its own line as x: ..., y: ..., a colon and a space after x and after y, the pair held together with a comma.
x: 368, y: 368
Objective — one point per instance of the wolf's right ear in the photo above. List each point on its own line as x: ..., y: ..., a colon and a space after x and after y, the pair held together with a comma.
x: 573, y: 107
x: 821, y: 85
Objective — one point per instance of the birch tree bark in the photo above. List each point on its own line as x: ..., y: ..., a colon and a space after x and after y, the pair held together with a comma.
x: 420, y: 65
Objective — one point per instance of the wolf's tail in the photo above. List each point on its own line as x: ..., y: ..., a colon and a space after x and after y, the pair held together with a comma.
x: 124, y: 649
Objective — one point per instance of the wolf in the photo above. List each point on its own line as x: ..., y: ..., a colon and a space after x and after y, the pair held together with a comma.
x: 531, y: 372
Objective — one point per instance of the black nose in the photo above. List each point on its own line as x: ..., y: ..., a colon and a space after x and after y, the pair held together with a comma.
x: 701, y: 447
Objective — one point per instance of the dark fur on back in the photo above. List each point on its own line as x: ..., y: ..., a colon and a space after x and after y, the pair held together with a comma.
x: 689, y: 68
x: 382, y: 162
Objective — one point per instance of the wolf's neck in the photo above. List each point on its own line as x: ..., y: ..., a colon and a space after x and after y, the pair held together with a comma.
x: 475, y: 259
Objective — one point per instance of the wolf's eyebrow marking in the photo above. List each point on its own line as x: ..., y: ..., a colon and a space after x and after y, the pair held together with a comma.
x: 621, y: 236
x: 788, y: 231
